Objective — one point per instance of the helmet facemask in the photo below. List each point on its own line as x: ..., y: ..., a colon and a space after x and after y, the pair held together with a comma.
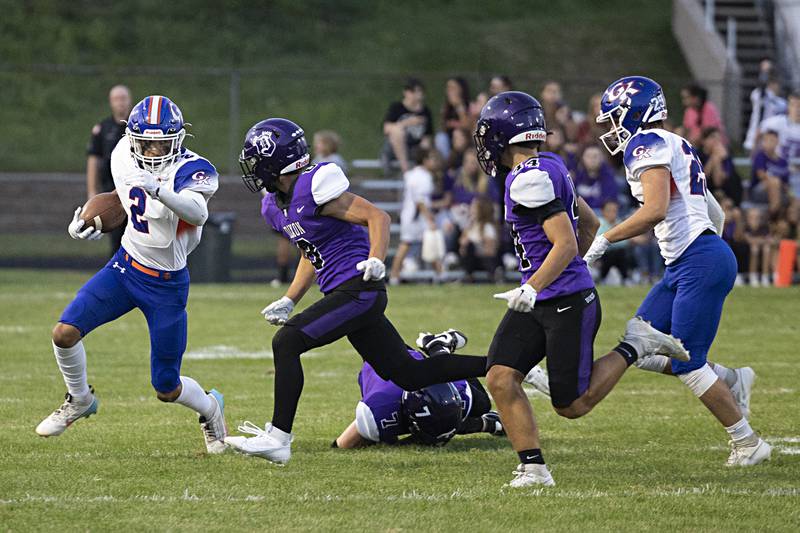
x: 486, y: 159
x: 153, y: 150
x: 618, y: 136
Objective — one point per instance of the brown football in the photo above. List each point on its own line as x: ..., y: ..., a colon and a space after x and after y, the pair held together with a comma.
x: 104, y: 212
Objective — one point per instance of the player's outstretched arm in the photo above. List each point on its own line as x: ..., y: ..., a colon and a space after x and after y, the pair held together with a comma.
x: 357, y: 210
x: 655, y: 187
x: 350, y: 438
x: 588, y: 224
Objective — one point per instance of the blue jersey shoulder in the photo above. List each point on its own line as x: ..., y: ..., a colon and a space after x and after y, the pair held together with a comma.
x: 198, y: 171
x: 641, y: 145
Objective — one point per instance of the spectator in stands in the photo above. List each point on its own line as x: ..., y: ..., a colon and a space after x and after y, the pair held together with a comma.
x: 647, y: 258
x: 769, y: 183
x: 699, y: 113
x: 721, y: 175
x: 462, y: 142
x: 416, y: 214
x: 556, y: 111
x: 478, y: 242
x: 757, y: 235
x: 408, y: 124
x: 326, y: 148
x: 455, y: 113
x: 766, y: 100
x: 617, y: 255
x: 788, y: 128
x: 594, y: 178
x: 556, y: 143
x: 733, y: 234
x: 497, y: 84
x: 589, y: 131
x: 105, y: 136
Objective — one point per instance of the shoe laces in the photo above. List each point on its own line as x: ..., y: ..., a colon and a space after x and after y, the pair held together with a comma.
x: 249, y: 427
x: 212, y: 430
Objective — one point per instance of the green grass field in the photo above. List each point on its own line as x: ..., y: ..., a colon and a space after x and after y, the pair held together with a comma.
x: 648, y: 459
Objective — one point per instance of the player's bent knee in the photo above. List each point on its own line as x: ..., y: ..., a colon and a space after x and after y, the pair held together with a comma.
x: 699, y: 380
x: 66, y: 335
x: 501, y: 379
x: 287, y: 341
x: 167, y: 383
x: 169, y: 396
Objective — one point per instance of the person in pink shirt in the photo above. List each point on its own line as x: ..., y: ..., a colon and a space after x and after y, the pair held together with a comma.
x: 699, y: 113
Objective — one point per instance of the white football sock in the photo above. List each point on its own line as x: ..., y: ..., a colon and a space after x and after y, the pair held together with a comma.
x: 282, y: 436
x: 654, y: 363
x: 725, y: 374
x: 72, y: 363
x: 741, y: 432
x: 194, y: 397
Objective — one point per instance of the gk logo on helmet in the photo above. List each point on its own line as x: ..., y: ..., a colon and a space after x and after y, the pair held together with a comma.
x: 622, y: 92
x: 264, y: 143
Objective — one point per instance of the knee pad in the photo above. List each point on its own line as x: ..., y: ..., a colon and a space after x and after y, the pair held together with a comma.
x: 165, y: 380
x: 700, y: 380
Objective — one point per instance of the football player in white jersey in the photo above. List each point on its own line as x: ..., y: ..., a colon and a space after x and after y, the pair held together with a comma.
x: 164, y: 188
x: 667, y: 179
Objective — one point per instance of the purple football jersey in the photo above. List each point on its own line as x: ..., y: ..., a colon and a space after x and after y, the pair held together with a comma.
x: 333, y: 246
x: 383, y: 398
x: 541, y: 182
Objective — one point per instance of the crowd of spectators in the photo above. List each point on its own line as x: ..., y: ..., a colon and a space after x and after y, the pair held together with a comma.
x: 465, y: 206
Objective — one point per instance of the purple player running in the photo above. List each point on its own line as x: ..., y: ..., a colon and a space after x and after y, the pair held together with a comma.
x: 344, y: 239
x: 432, y: 416
x: 556, y: 310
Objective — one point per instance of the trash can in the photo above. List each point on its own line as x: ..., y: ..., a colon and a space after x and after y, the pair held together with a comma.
x: 210, y: 262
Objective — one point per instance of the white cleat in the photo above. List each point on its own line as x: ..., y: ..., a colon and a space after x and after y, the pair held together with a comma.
x: 741, y: 389
x: 265, y: 444
x: 648, y: 341
x: 531, y: 474
x: 537, y: 377
x: 749, y: 455
x: 214, y: 428
x: 63, y: 417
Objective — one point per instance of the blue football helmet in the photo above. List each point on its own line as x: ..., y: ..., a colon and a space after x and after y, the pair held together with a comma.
x: 433, y: 413
x: 507, y: 118
x: 156, y: 131
x: 272, y: 147
x: 628, y: 104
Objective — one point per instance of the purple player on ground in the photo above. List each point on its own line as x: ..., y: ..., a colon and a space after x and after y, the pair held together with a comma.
x: 432, y: 415
x: 344, y: 239
x: 550, y: 225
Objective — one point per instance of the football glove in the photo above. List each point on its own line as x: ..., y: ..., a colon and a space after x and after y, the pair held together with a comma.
x: 277, y: 313
x: 74, y: 228
x: 373, y: 268
x: 144, y: 180
x: 520, y: 299
x: 597, y: 249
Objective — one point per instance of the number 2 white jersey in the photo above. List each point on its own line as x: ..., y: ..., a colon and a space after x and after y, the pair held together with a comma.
x: 155, y: 236
x: 687, y: 214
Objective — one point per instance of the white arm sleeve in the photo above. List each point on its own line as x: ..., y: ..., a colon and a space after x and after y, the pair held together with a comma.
x: 533, y: 189
x: 328, y: 183
x: 365, y: 423
x: 190, y: 206
x: 715, y: 213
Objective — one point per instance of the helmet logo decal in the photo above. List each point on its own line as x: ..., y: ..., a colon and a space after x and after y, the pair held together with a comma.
x: 264, y: 143
x: 622, y: 92
x: 641, y: 152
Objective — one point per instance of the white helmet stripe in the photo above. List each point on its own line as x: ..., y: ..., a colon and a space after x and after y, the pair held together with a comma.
x: 153, y: 111
x: 530, y: 135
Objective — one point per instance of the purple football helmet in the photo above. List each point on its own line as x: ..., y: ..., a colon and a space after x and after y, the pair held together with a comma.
x: 272, y: 147
x: 507, y: 118
x: 156, y: 131
x: 433, y: 413
x: 628, y: 104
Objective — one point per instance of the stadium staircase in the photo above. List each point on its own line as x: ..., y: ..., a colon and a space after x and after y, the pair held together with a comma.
x: 747, y: 28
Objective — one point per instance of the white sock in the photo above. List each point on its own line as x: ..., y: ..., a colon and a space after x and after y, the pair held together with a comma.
x: 194, y: 397
x: 655, y: 363
x: 741, y: 432
x: 281, y: 435
x: 725, y: 374
x: 72, y: 363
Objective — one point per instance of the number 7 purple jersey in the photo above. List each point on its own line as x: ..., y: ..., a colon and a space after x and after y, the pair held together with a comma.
x: 535, y: 190
x: 333, y: 246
